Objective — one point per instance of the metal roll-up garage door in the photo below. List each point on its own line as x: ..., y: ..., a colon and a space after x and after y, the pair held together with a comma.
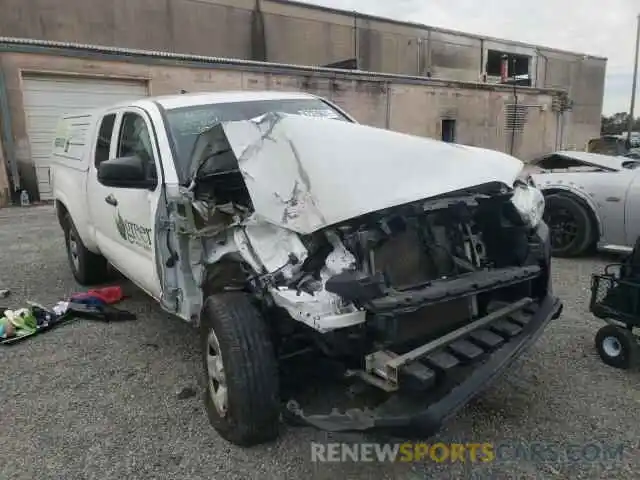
x: 46, y: 98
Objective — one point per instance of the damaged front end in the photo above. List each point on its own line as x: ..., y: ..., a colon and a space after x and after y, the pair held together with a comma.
x: 423, y: 293
x: 453, y: 290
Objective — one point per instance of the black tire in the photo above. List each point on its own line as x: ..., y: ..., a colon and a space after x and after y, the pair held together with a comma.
x: 570, y: 226
x: 252, y: 413
x: 618, y: 347
x: 88, y: 268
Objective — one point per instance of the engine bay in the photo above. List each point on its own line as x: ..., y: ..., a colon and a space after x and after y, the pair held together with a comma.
x: 397, y: 276
x: 393, y: 280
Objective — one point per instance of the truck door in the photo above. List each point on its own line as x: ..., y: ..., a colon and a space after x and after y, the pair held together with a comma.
x: 123, y: 218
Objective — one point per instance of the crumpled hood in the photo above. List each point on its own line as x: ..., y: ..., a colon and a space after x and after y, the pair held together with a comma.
x: 305, y: 173
x: 588, y: 159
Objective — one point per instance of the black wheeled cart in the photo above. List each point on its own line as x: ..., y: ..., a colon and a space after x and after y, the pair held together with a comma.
x: 615, y: 298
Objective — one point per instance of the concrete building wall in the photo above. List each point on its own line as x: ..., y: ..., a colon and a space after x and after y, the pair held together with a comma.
x: 404, y: 105
x: 286, y: 32
x: 583, y: 79
x: 456, y: 57
x: 194, y: 26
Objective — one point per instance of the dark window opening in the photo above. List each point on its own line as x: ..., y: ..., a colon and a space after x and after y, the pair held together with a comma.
x: 517, y: 66
x: 103, y: 143
x: 448, y: 130
x: 348, y: 64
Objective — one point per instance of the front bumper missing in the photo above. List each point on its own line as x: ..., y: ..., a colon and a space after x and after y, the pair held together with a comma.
x: 424, y: 412
x: 390, y: 367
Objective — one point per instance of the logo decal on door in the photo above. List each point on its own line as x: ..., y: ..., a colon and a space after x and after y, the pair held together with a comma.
x: 133, y: 233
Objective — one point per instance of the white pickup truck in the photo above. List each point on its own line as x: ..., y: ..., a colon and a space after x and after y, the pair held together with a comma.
x: 284, y: 230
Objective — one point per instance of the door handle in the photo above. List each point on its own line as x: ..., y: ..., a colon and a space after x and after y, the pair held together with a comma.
x: 111, y: 200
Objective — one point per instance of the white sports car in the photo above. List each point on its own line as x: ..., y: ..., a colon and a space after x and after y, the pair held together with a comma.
x: 592, y: 201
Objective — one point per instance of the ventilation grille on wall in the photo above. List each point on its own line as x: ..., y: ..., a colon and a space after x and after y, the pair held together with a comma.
x: 561, y: 103
x: 515, y: 117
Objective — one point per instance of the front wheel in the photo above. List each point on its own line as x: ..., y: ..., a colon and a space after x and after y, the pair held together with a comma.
x: 242, y: 385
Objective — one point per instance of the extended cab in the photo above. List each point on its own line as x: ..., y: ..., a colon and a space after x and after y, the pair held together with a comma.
x: 279, y: 226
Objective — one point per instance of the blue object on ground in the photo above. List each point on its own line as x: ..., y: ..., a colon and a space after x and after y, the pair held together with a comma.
x: 87, y: 299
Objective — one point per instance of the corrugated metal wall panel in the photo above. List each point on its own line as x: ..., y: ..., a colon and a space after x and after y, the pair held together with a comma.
x: 47, y: 98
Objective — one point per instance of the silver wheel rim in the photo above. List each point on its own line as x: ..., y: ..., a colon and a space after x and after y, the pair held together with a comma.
x: 611, y: 346
x: 73, y: 252
x: 215, y: 372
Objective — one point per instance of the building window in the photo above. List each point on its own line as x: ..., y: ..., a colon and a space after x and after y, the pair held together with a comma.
x: 448, y: 130
x: 517, y: 66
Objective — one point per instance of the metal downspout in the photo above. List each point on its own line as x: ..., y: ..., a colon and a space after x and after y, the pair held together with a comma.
x: 7, y: 136
x: 387, y: 117
x: 356, y: 40
x: 258, y: 34
x: 515, y: 111
x: 482, y: 65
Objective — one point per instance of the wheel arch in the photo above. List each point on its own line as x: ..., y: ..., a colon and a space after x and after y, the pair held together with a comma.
x: 61, y: 212
x: 582, y: 199
x: 228, y: 273
x: 79, y: 216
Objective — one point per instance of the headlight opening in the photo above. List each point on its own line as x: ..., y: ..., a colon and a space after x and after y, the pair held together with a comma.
x: 529, y: 201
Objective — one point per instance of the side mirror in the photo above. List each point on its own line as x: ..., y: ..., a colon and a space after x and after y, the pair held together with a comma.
x: 125, y: 172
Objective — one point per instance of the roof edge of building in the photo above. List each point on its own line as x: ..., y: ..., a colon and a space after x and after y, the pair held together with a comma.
x: 27, y: 45
x: 367, y: 16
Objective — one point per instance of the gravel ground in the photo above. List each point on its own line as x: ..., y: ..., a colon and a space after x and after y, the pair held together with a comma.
x: 93, y: 400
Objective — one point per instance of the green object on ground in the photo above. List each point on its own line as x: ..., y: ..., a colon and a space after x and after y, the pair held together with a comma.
x: 23, y: 320
x: 25, y: 325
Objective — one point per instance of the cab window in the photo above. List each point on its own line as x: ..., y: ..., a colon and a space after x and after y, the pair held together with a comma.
x: 134, y: 140
x: 103, y: 143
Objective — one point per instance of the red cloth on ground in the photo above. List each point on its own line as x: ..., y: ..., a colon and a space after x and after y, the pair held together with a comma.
x: 108, y: 295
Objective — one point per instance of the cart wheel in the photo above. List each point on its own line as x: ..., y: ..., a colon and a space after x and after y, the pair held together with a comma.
x: 618, y: 347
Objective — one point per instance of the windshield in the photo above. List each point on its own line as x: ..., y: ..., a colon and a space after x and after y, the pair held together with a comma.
x: 186, y: 123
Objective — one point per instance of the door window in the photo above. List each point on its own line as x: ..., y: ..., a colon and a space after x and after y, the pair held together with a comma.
x: 134, y: 140
x: 103, y: 143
